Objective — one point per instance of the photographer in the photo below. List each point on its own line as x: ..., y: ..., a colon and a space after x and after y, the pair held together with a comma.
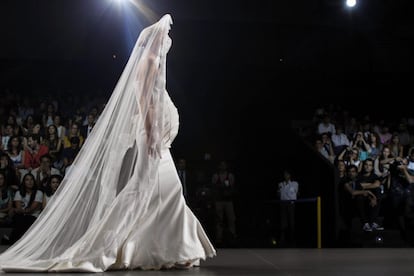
x: 383, y: 166
x: 363, y: 147
x: 350, y: 156
x: 401, y: 194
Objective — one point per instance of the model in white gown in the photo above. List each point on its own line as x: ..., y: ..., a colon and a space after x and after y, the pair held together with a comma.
x: 121, y: 205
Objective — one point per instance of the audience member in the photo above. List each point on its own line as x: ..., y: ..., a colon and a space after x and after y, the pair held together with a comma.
x: 27, y: 206
x: 34, y: 151
x: 6, y: 198
x: 52, y: 184
x: 223, y: 184
x: 288, y: 191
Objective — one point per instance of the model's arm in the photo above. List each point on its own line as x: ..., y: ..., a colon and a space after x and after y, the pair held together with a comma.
x: 147, y: 73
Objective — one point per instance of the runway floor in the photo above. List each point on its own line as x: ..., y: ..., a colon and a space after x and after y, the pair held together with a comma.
x: 355, y: 262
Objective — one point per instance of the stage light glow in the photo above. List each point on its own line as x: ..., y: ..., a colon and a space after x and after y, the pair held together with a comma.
x: 145, y: 10
x: 351, y: 3
x: 117, y: 1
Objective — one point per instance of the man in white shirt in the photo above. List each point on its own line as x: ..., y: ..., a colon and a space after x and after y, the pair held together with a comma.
x: 340, y: 140
x: 288, y: 192
x: 326, y: 126
x: 44, y: 171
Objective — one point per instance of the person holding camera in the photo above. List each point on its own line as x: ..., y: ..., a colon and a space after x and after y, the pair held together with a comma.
x: 363, y: 147
x: 401, y: 194
x: 350, y: 156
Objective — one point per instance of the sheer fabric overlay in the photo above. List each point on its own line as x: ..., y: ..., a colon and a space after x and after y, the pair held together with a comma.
x: 99, y: 217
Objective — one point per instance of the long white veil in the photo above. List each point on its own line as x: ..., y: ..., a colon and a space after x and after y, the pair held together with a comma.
x: 113, y: 174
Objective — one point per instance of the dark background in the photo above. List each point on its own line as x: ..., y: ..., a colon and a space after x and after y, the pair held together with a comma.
x: 238, y: 71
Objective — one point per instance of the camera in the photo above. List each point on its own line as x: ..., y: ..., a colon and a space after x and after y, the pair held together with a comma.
x: 398, y: 163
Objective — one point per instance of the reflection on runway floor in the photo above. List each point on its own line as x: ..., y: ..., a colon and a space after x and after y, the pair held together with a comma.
x: 355, y: 262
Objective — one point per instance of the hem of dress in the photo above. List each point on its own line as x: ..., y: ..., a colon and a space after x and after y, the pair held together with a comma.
x: 88, y: 267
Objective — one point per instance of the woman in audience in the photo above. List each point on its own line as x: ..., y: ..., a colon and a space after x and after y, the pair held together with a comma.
x: 54, y: 143
x: 395, y: 146
x: 38, y: 129
x: 51, y: 187
x: 16, y: 152
x: 375, y: 144
x: 385, y: 134
x: 74, y: 132
x: 5, y: 200
x: 363, y: 147
x: 383, y: 164
x: 28, y: 125
x: 47, y: 117
x: 28, y: 202
x: 7, y: 167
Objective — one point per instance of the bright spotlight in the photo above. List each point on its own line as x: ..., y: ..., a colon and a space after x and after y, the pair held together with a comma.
x: 351, y: 3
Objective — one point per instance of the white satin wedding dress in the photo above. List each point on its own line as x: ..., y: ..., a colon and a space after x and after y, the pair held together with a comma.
x: 121, y: 205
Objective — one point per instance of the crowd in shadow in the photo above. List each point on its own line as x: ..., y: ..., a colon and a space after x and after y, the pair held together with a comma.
x: 374, y: 164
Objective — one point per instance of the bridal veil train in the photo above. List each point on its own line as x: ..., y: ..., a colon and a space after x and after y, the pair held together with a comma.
x: 121, y: 205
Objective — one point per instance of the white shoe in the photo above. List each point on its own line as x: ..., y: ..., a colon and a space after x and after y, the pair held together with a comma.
x: 367, y: 227
x: 186, y: 265
x: 376, y: 227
